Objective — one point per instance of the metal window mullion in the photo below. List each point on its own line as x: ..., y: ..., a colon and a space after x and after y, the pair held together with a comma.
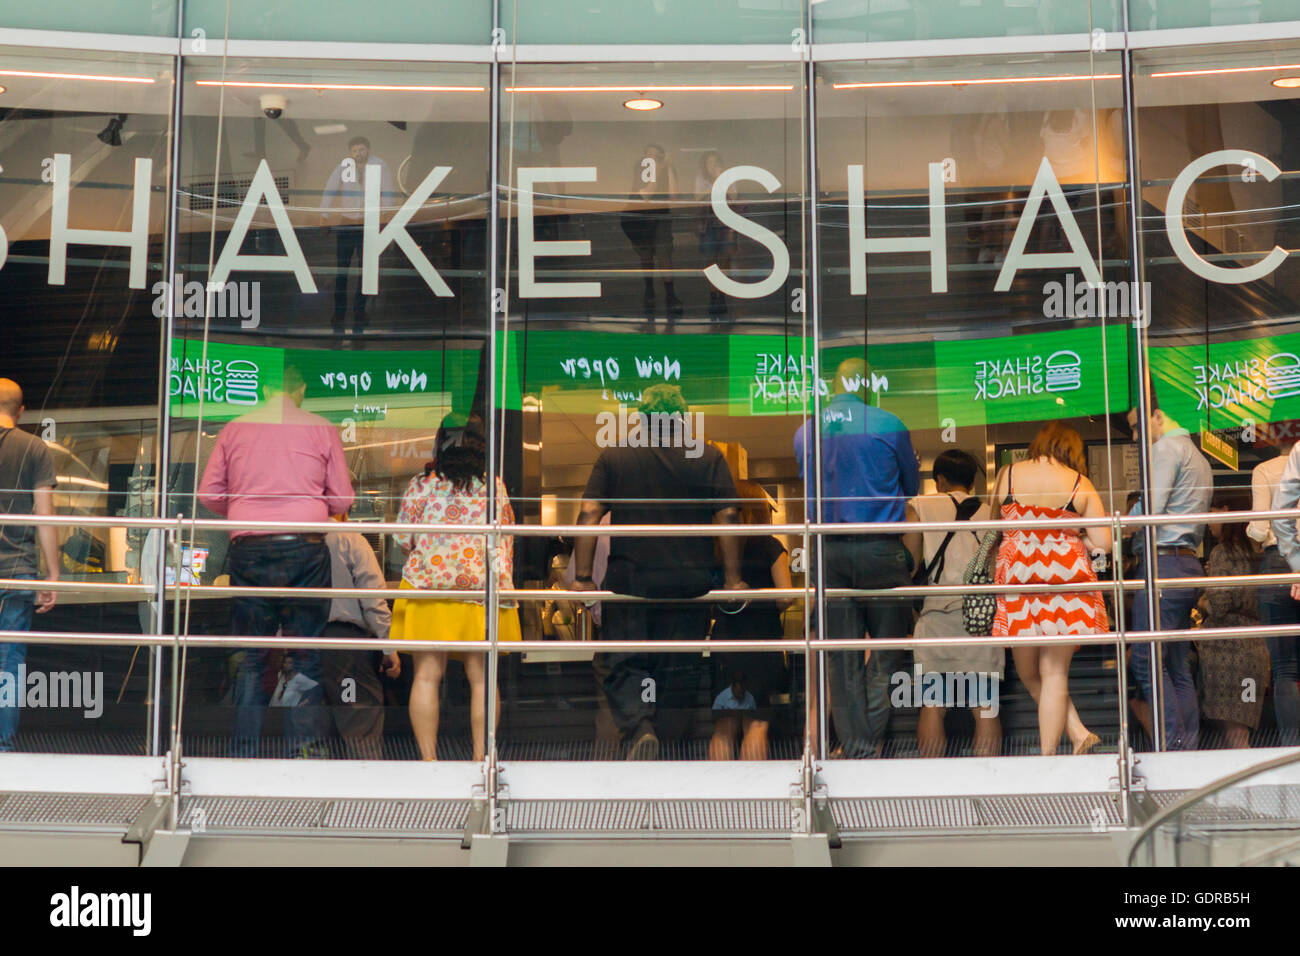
x: 162, y: 446
x: 1150, y: 557
x: 491, y: 603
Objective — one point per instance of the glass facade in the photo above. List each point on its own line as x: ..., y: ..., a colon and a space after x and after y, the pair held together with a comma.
x: 826, y: 247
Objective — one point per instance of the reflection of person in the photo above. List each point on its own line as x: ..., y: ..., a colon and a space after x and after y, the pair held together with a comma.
x: 1275, y: 603
x: 649, y: 227
x: 946, y: 555
x: 1181, y: 483
x: 747, y: 681
x: 277, y: 463
x: 1050, y: 484
x: 717, y: 242
x: 869, y: 470
x: 607, y: 734
x: 26, y: 488
x: 353, y: 691
x: 1228, y: 667
x: 343, y: 201
x: 656, y: 485
x: 452, y: 490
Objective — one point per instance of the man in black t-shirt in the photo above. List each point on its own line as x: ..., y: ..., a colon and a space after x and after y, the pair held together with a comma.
x: 26, y: 488
x: 681, y: 481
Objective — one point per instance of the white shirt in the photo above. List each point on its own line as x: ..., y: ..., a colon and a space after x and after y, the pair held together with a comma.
x: 1263, y: 485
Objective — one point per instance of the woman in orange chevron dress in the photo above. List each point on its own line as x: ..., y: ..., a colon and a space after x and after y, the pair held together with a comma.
x: 1050, y: 484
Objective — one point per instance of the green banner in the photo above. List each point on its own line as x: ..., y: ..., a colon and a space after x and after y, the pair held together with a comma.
x: 1228, y: 384
x: 363, y: 386
x: 1030, y: 378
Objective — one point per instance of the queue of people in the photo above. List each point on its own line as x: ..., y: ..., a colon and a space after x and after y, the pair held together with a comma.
x: 282, y: 464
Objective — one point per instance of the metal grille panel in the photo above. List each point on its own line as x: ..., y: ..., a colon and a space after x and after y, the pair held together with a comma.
x: 84, y: 809
x: 424, y: 815
x: 523, y: 816
x: 1034, y: 812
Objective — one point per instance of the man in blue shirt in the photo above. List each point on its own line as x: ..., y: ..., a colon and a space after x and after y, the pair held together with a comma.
x: 1181, y: 483
x: 869, y: 470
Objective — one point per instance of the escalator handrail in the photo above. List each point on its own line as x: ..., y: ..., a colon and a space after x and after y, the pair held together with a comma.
x: 1208, y: 790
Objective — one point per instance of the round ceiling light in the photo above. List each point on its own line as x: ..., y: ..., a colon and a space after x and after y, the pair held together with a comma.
x: 1287, y: 82
x: 643, y: 103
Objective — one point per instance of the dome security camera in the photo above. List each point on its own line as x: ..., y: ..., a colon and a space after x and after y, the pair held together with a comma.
x: 272, y: 104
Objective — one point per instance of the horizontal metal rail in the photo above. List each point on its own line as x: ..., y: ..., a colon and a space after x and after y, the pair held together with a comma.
x: 796, y: 646
x: 213, y: 591
x: 645, y: 530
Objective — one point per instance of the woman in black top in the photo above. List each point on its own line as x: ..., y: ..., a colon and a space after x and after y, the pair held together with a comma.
x: 745, y: 682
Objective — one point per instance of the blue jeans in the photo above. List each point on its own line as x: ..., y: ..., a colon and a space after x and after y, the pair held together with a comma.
x: 1277, y: 607
x: 261, y: 561
x: 859, y: 691
x: 16, y: 609
x: 1182, y: 714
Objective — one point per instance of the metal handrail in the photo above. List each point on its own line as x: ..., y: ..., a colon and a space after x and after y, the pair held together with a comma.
x: 1209, y: 790
x: 645, y: 530
x: 548, y: 594
x: 604, y: 646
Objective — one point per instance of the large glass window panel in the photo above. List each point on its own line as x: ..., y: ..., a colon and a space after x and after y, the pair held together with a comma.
x: 393, y: 21
x: 661, y: 21
x: 85, y: 155
x: 1216, y: 150
x: 144, y: 17
x: 1172, y: 14
x: 858, y: 21
x: 383, y: 364
x: 654, y: 222
x: 962, y: 202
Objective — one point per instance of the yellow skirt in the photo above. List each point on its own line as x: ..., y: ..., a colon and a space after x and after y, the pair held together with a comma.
x: 449, y: 621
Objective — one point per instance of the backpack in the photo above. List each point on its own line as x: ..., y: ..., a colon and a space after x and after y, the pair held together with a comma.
x: 978, y: 610
x: 930, y: 573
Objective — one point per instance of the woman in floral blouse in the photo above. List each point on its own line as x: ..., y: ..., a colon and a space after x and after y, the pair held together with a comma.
x: 452, y: 490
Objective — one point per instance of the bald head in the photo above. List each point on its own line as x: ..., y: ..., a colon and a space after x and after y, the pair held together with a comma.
x: 851, y: 377
x: 11, y: 398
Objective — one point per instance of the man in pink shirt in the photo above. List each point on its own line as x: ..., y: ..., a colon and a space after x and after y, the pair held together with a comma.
x: 278, y: 463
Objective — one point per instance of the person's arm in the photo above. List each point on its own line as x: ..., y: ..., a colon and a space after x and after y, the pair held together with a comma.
x: 43, y: 504
x: 1261, y: 497
x: 781, y: 578
x: 1099, y: 537
x: 914, y: 541
x: 1164, y: 468
x: 732, y: 546
x: 999, y: 492
x: 584, y: 549
x: 505, y: 542
x: 366, y: 573
x: 1284, y: 529
x: 215, y: 486
x: 909, y: 467
x: 408, y: 513
x: 338, y: 482
x: 331, y: 193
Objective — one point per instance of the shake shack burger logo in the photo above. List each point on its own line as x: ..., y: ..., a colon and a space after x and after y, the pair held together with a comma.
x: 236, y: 381
x: 1223, y: 384
x: 1022, y: 375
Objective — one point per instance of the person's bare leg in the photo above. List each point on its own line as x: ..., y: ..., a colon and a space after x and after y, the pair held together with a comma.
x: 988, y: 733
x: 476, y: 674
x: 753, y: 745
x: 1054, y: 700
x: 1236, y: 735
x: 429, y: 668
x: 721, y: 744
x: 931, y: 741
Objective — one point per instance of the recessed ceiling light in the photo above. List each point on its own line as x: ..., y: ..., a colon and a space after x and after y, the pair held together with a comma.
x: 2, y: 89
x: 643, y: 103
x: 1287, y: 82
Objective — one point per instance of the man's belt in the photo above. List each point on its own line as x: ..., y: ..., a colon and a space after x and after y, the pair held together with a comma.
x: 314, y: 538
x: 1176, y: 549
